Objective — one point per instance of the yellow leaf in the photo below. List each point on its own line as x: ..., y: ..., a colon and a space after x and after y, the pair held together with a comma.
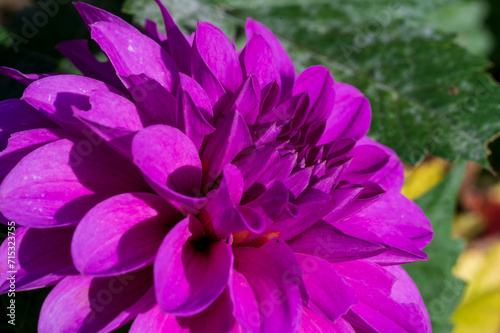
x: 479, y: 310
x: 423, y: 177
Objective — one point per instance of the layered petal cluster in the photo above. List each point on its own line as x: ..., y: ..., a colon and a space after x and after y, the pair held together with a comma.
x: 188, y: 186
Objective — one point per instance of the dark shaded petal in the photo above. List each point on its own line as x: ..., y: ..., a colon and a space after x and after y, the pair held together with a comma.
x: 24, y: 79
x: 270, y: 96
x: 178, y: 46
x: 17, y: 115
x: 253, y: 163
x: 247, y: 100
x: 87, y: 304
x: 156, y: 103
x: 216, y: 318
x: 189, y: 276
x: 318, y: 82
x: 222, y: 213
x: 199, y: 96
x: 42, y: 257
x: 151, y: 29
x: 231, y: 136
x: 77, y: 51
x: 190, y: 120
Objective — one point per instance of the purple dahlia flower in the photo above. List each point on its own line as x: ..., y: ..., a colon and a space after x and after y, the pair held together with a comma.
x: 190, y: 187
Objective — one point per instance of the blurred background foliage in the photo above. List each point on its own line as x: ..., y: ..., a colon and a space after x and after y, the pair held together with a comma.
x: 422, y: 64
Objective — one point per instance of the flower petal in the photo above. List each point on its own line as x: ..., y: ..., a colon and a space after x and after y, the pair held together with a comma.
x: 116, y: 128
x: 216, y: 318
x: 390, y: 177
x: 91, y: 14
x: 247, y: 100
x: 104, y: 105
x: 157, y: 104
x: 190, y: 271
x: 84, y: 304
x: 24, y: 79
x: 312, y: 322
x: 367, y: 161
x: 133, y: 53
x: 77, y: 51
x: 350, y: 117
x: 318, y: 82
x: 207, y: 79
x: 253, y: 163
x: 152, y: 31
x: 327, y: 242
x: 219, y: 55
x: 190, y: 119
x: 312, y: 206
x: 402, y: 213
x: 171, y: 165
x: 178, y: 46
x: 257, y: 58
x: 199, y: 96
x: 270, y: 97
x: 229, y: 139
x: 17, y: 115
x: 402, y: 251
x: 24, y: 142
x: 330, y: 293
x: 281, y: 57
x: 377, y: 310
x: 246, y: 308
x: 352, y: 199
x: 275, y: 277
x: 56, y: 184
x: 278, y: 171
x: 42, y: 257
x: 140, y: 222
x: 405, y: 291
x: 222, y: 213
x: 56, y: 96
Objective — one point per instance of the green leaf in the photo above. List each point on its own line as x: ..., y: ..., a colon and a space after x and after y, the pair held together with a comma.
x: 428, y: 95
x: 466, y: 18
x: 440, y: 290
